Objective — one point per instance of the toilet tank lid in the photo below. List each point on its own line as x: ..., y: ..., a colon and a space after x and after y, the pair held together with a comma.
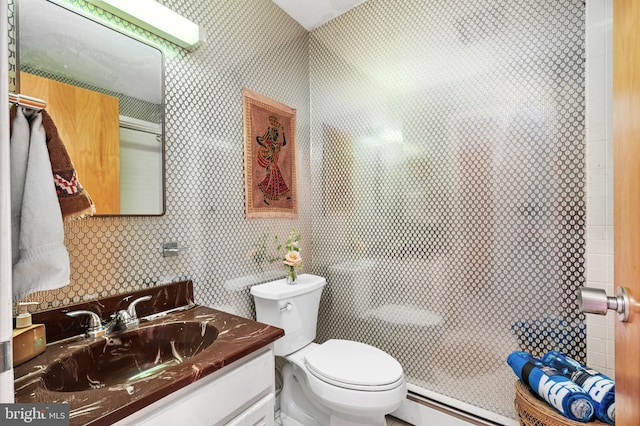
x: 278, y: 290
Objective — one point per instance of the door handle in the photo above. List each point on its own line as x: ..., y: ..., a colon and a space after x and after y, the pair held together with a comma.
x: 595, y: 301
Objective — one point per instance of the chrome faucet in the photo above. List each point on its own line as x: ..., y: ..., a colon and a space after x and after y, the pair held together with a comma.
x: 122, y: 320
x: 128, y: 319
x: 96, y: 329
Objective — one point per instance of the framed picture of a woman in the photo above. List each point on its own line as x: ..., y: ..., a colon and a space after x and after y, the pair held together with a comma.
x: 269, y: 157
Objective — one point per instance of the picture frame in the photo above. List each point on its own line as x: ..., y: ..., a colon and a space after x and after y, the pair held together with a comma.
x: 269, y: 157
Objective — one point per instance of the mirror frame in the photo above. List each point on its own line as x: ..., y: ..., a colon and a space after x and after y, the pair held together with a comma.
x: 136, y: 38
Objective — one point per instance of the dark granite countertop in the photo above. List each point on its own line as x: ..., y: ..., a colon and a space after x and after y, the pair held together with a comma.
x: 107, y: 403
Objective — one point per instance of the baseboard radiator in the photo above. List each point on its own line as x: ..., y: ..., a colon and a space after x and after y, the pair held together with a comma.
x: 427, y: 408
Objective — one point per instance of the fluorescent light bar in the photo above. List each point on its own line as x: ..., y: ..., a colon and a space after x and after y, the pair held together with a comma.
x: 155, y: 18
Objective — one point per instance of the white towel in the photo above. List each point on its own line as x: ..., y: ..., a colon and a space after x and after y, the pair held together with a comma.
x: 40, y: 258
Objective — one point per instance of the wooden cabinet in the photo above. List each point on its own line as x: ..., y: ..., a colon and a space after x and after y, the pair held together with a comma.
x: 88, y: 123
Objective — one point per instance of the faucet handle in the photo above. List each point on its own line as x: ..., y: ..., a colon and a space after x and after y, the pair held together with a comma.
x: 131, y: 310
x: 96, y: 328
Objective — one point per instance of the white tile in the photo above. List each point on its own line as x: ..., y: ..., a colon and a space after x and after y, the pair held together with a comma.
x: 609, y: 232
x: 611, y: 347
x: 596, y: 359
x: 597, y: 173
x: 608, y: 8
x: 596, y: 261
x: 598, y: 275
x: 595, y: 233
x: 596, y: 12
x: 596, y: 187
x: 609, y: 182
x: 612, y: 317
x: 609, y: 158
x: 608, y: 275
x: 598, y: 247
x: 593, y: 348
x: 596, y: 112
x: 608, y: 117
x: 596, y: 148
x: 609, y: 262
x: 597, y: 162
x: 595, y: 40
x: 598, y: 204
x: 597, y: 213
x: 610, y: 372
x: 599, y: 334
x: 609, y: 246
x: 611, y: 361
x: 596, y: 320
x: 596, y: 216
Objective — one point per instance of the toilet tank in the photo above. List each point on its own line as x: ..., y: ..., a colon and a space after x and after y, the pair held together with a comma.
x: 293, y: 308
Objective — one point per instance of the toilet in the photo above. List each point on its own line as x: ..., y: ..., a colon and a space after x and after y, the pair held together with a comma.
x: 336, y: 383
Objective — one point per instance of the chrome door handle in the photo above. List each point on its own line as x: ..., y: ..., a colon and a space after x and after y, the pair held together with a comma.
x: 596, y: 301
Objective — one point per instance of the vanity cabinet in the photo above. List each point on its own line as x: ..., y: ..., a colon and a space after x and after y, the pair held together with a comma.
x: 229, y: 380
x: 240, y: 394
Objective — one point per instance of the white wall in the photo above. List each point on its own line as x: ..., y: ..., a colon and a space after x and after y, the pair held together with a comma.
x: 599, y: 189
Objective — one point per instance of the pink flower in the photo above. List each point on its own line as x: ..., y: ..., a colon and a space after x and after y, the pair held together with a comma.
x: 293, y: 258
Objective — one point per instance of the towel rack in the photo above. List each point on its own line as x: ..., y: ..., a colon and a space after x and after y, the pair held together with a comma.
x: 27, y: 101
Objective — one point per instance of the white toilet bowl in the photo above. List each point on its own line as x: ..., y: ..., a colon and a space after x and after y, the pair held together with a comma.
x: 329, y: 388
x: 336, y: 383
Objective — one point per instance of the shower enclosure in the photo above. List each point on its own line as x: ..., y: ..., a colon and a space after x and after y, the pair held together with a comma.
x: 448, y: 162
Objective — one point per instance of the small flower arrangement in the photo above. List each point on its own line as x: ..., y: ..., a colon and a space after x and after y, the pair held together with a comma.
x: 292, y: 258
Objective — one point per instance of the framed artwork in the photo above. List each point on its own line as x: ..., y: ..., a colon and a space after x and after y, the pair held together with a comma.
x: 269, y: 158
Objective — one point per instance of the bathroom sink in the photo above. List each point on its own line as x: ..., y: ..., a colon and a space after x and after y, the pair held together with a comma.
x: 123, y: 358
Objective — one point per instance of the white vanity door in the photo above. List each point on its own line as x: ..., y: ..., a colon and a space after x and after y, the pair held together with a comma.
x: 259, y: 414
x: 241, y: 394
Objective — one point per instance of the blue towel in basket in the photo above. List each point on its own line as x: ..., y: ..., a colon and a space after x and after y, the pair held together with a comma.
x: 600, y: 388
x: 560, y: 392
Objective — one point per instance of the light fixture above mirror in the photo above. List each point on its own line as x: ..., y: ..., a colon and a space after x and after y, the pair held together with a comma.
x: 157, y: 19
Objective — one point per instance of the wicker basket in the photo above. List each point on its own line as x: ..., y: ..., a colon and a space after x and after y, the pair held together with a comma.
x: 533, y: 411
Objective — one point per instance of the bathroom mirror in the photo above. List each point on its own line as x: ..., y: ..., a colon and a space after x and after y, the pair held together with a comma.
x: 104, y: 91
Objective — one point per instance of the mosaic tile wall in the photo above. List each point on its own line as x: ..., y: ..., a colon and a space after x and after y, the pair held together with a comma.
x: 251, y: 44
x: 448, y: 173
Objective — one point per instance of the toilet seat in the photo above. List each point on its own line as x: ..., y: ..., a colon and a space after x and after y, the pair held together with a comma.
x: 354, y: 365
